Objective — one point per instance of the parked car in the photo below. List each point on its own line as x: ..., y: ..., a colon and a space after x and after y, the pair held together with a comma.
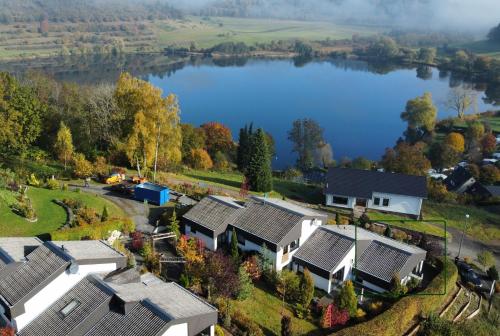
x: 468, y: 275
x: 123, y: 188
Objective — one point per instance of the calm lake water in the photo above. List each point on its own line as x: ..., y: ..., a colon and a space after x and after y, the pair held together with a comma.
x: 357, y: 104
x: 358, y: 108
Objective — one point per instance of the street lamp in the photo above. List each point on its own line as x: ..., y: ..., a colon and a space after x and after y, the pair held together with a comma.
x: 462, y: 238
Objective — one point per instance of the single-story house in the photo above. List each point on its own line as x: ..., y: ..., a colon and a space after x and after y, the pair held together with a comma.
x: 389, y: 192
x: 459, y: 180
x: 334, y: 251
x: 58, y: 289
x: 282, y: 226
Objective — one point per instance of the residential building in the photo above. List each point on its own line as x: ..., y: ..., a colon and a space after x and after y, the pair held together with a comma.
x: 334, y: 251
x: 382, y: 191
x: 65, y: 288
x: 460, y: 180
x: 279, y: 225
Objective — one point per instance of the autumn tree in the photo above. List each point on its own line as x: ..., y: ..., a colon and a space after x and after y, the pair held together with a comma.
x: 306, y: 288
x: 101, y: 166
x: 64, y: 144
x: 286, y: 325
x: 455, y: 140
x: 82, y: 167
x: 21, y: 115
x: 220, y: 275
x: 245, y: 284
x: 361, y: 163
x: 218, y: 137
x: 489, y: 174
x: 420, y: 114
x: 475, y: 131
x: 323, y: 155
x: 174, y: 225
x: 460, y: 100
x: 486, y: 259
x: 258, y: 172
x: 200, y: 159
x: 443, y: 155
x: 306, y: 135
x: 427, y: 55
x: 154, y: 136
x: 488, y: 144
x: 347, y: 298
x: 406, y: 159
x: 192, y: 138
x: 7, y: 331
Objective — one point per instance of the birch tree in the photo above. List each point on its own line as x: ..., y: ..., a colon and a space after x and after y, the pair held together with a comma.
x: 64, y: 144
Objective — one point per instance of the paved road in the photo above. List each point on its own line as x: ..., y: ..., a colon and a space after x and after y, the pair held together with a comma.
x: 143, y: 217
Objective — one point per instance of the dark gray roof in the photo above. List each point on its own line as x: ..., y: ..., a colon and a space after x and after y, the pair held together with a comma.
x: 214, y: 213
x: 493, y: 190
x: 268, y: 221
x: 457, y: 178
x: 143, y: 319
x: 40, y: 265
x: 325, y: 249
x: 362, y: 183
x: 89, y: 293
x: 382, y: 261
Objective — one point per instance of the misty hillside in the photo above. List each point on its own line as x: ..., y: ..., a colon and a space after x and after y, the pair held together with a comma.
x: 84, y: 10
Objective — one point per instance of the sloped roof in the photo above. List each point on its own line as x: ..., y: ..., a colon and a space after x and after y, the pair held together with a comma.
x: 214, y: 213
x: 40, y: 265
x: 88, y: 292
x: 457, y: 178
x: 362, y: 183
x: 141, y: 320
x: 91, y: 251
x: 325, y: 249
x: 493, y: 190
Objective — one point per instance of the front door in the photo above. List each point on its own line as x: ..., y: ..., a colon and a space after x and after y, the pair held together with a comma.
x: 361, y: 202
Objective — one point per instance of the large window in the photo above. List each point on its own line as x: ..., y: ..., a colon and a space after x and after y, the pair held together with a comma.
x: 340, y: 200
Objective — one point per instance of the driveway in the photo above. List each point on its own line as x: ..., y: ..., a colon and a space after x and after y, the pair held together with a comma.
x: 143, y: 216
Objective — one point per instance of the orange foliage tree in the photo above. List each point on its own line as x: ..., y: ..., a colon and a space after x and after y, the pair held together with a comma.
x: 200, y: 159
x: 7, y: 331
x: 456, y: 141
x: 218, y: 137
x: 489, y: 143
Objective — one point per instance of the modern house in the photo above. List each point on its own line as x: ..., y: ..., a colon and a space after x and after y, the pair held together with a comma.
x: 459, y: 181
x: 64, y: 288
x: 382, y: 191
x: 282, y: 226
x: 333, y: 252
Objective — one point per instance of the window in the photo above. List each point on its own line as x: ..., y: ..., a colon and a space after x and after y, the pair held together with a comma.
x: 385, y: 202
x: 69, y: 308
x: 193, y: 229
x: 376, y: 201
x: 294, y: 245
x: 340, y: 200
x: 241, y: 239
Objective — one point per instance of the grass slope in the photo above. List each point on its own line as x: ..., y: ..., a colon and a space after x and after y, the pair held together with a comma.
x: 484, y: 47
x: 50, y: 215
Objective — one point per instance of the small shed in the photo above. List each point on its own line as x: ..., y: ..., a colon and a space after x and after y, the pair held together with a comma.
x: 153, y: 193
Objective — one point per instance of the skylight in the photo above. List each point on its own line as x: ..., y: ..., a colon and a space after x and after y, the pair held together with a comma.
x: 69, y: 308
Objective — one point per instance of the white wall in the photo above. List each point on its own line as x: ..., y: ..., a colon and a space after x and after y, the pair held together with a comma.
x: 397, y: 203
x: 209, y: 242
x: 177, y: 330
x: 351, y: 201
x: 54, y: 290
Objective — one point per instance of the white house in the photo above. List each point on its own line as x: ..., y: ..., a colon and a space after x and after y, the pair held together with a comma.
x: 389, y: 192
x: 334, y: 251
x: 57, y: 289
x: 279, y: 225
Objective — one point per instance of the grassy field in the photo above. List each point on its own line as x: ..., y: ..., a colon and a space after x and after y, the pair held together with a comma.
x: 484, y: 47
x: 493, y: 121
x: 233, y: 180
x: 265, y: 309
x: 206, y: 32
x: 23, y: 39
x: 420, y: 226
x: 482, y: 225
x: 50, y: 215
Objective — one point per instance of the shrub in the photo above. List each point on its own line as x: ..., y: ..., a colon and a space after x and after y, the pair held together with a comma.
x: 218, y: 330
x: 245, y: 324
x: 86, y: 216
x: 52, y: 184
x: 137, y: 241
x: 399, y: 235
x: 493, y: 273
x: 252, y: 267
x: 96, y: 231
x: 33, y: 181
x: 375, y: 307
x: 360, y: 314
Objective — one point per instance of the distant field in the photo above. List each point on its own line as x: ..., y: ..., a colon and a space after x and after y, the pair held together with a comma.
x: 494, y: 123
x: 211, y: 31
x: 24, y: 40
x: 484, y: 47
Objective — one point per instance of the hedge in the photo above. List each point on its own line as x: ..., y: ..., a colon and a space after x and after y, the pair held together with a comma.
x: 95, y: 231
x: 399, y: 317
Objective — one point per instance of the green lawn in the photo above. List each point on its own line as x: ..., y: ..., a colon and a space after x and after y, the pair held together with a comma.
x: 420, y: 226
x: 207, y: 33
x: 232, y: 181
x: 50, y: 215
x: 265, y: 309
x: 482, y: 225
x: 484, y: 47
x: 494, y: 122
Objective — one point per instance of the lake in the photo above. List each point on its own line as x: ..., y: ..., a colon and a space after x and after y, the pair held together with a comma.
x: 358, y: 108
x: 357, y: 104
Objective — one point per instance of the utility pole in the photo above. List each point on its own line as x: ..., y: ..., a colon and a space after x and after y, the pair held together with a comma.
x: 462, y: 238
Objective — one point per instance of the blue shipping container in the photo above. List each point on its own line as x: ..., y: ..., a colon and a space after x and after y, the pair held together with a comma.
x: 153, y: 193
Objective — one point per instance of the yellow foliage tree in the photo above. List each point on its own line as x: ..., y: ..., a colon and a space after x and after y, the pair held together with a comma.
x: 82, y: 167
x: 200, y: 159
x: 456, y: 141
x: 154, y: 136
x: 64, y: 144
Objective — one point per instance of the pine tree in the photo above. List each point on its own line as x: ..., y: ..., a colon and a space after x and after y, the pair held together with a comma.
x: 174, y: 225
x: 388, y: 231
x: 259, y: 169
x: 347, y: 298
x: 246, y: 285
x: 104, y: 215
x: 242, y: 149
x: 286, y: 326
x: 235, y: 255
